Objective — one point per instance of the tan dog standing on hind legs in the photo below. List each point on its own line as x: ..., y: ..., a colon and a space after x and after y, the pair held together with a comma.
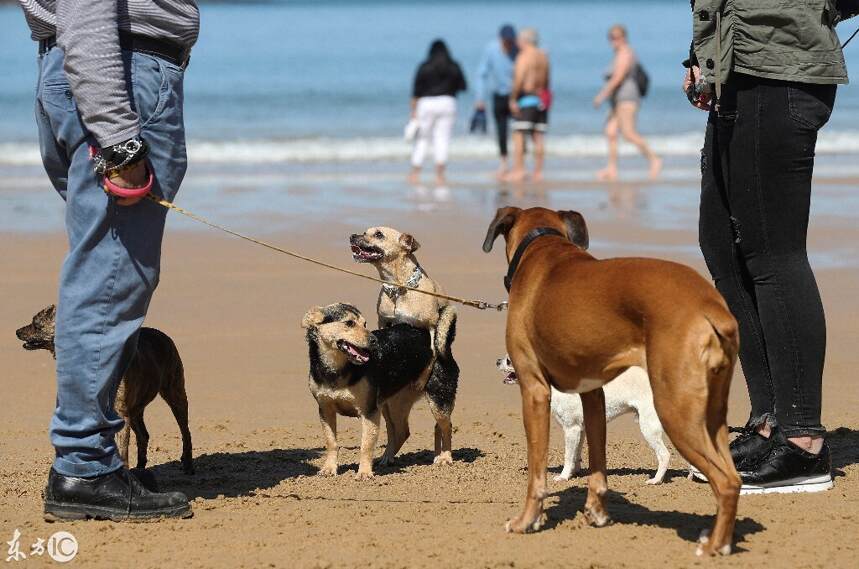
x: 576, y: 322
x: 393, y: 255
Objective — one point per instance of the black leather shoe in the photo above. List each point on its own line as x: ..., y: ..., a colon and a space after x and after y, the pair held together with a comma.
x: 117, y: 496
x: 747, y: 450
x: 788, y: 469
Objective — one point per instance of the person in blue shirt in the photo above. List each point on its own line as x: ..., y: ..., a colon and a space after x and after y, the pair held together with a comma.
x: 494, y: 82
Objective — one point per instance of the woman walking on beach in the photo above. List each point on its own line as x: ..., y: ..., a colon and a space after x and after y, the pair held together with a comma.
x: 622, y: 91
x: 437, y: 81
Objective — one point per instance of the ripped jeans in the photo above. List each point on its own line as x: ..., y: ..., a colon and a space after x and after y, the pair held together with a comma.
x: 756, y: 168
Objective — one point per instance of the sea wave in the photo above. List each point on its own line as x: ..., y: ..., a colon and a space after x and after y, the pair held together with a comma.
x: 365, y: 149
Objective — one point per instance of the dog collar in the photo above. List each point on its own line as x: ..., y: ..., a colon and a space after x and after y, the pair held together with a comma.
x: 394, y: 292
x: 520, y: 250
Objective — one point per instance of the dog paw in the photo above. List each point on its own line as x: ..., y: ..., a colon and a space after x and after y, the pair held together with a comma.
x: 519, y: 526
x: 364, y: 475
x: 563, y: 476
x: 443, y: 458
x: 328, y: 470
x: 385, y: 460
x: 597, y: 518
x: 705, y: 549
x: 653, y: 480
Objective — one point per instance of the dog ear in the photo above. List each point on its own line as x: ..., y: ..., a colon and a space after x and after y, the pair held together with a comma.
x: 313, y: 318
x: 409, y: 243
x: 504, y: 218
x: 577, y: 229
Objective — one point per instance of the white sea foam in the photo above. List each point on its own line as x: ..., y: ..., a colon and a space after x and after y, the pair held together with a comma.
x: 320, y: 150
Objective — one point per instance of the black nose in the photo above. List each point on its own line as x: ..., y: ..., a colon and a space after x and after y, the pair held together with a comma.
x: 20, y: 332
x: 354, y: 238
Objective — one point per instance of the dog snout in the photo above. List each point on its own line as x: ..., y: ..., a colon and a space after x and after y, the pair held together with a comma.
x: 355, y: 239
x: 24, y: 333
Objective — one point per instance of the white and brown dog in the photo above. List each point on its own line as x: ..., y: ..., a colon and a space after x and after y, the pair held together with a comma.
x: 629, y: 393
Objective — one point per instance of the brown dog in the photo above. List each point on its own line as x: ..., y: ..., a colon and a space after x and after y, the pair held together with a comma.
x: 155, y: 368
x: 576, y: 322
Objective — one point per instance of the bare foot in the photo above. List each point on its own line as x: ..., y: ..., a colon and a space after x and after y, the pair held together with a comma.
x: 607, y: 174
x: 440, y: 181
x: 501, y: 172
x: 516, y: 175
x: 655, y: 168
x: 414, y: 177
x: 537, y: 176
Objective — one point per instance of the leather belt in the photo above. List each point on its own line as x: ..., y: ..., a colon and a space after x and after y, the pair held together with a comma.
x: 166, y: 50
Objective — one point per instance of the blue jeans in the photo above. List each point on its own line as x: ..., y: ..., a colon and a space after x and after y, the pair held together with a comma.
x: 113, y: 263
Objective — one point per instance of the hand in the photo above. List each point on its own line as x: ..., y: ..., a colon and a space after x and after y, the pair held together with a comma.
x: 597, y: 101
x: 134, y: 177
x: 692, y: 77
x: 480, y: 106
x: 514, y: 108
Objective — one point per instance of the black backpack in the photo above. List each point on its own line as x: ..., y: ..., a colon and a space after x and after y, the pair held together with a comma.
x: 642, y: 79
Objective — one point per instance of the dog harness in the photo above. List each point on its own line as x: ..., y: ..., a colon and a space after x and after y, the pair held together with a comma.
x: 395, y: 292
x: 520, y: 250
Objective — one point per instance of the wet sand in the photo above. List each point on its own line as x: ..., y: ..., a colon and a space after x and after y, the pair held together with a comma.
x: 234, y: 311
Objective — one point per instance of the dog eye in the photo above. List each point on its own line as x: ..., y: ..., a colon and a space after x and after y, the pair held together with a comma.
x: 378, y: 235
x: 350, y: 323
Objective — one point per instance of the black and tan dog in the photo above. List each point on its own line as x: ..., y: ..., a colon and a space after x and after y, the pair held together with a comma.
x: 358, y: 373
x: 155, y: 368
x: 576, y: 322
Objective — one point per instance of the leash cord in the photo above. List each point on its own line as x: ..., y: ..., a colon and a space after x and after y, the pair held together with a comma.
x: 478, y: 304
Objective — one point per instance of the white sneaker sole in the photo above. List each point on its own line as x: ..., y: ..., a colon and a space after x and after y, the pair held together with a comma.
x: 793, y: 486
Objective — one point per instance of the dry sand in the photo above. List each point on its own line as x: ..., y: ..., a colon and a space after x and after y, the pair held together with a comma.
x: 234, y: 311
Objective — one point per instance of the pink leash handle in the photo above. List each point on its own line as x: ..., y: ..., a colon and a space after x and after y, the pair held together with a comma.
x: 119, y: 191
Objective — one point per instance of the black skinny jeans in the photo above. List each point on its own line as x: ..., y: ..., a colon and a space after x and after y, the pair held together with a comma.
x: 501, y: 111
x: 756, y: 169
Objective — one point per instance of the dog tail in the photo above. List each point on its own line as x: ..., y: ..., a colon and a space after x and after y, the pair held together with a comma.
x: 722, y: 349
x: 445, y: 332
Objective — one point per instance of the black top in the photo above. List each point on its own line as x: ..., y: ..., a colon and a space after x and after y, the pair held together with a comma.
x: 438, y: 75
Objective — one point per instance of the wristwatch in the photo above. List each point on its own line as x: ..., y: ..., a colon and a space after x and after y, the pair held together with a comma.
x: 119, y: 156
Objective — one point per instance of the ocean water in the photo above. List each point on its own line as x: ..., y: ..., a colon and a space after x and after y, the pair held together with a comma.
x: 329, y: 80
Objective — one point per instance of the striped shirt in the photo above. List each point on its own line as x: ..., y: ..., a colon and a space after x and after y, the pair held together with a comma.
x: 88, y: 33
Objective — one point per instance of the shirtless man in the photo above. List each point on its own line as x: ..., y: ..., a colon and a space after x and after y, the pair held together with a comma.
x: 529, y: 104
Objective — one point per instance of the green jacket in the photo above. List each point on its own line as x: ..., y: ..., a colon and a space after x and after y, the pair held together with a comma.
x: 790, y: 40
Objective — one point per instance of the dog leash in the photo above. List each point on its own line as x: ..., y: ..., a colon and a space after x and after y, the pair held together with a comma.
x: 478, y: 304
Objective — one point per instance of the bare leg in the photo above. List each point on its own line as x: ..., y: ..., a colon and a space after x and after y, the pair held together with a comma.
x: 539, y: 154
x: 328, y: 418
x: 440, y: 177
x: 369, y: 437
x: 609, y: 173
x: 626, y: 116
x: 517, y: 174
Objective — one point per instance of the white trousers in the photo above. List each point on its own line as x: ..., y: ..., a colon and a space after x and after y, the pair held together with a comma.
x: 435, y: 116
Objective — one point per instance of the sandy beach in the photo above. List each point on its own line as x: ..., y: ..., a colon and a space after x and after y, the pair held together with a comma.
x: 234, y: 311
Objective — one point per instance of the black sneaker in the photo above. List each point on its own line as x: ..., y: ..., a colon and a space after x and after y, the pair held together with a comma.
x: 747, y: 450
x: 118, y: 496
x: 789, y: 469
